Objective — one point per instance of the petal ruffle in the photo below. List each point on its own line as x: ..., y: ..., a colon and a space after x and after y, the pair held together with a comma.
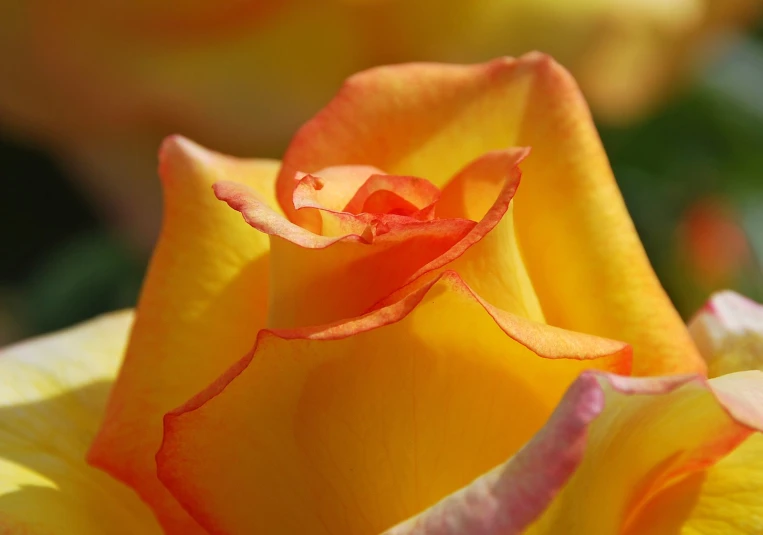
x: 203, y: 301
x: 577, y: 241
x: 729, y: 333
x: 353, y: 427
x: 319, y: 279
x: 52, y: 397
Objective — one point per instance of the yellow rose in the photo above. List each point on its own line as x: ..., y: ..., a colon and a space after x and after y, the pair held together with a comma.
x: 103, y: 82
x: 403, y: 318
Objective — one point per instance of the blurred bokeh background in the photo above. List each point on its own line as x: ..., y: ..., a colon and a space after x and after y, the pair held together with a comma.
x: 89, y: 88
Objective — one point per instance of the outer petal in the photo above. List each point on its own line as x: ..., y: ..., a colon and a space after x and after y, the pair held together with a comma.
x: 52, y: 396
x: 626, y: 460
x: 729, y: 333
x: 506, y: 500
x: 355, y: 426
x: 204, y: 299
x: 581, y: 250
x: 652, y: 434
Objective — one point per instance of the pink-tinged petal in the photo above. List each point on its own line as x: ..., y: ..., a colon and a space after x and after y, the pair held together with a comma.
x: 607, y: 430
x: 506, y: 500
x: 652, y: 434
x: 728, y: 331
x: 581, y: 251
x: 354, y: 426
x: 202, y: 303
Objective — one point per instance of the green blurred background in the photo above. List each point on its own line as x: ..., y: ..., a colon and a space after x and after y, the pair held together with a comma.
x: 691, y: 174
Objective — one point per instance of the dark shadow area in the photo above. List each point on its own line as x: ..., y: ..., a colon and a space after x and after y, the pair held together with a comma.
x: 39, y: 207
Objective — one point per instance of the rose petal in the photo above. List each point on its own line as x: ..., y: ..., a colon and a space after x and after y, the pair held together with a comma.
x: 729, y: 333
x: 204, y: 299
x: 580, y: 248
x: 52, y: 397
x: 506, y: 500
x: 417, y: 192
x: 330, y: 189
x: 355, y: 426
x: 724, y: 499
x: 488, y: 258
x: 652, y: 434
x: 636, y: 469
x: 371, y: 204
x: 347, y: 276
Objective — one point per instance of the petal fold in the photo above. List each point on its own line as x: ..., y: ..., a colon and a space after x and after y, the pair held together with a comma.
x: 355, y: 426
x: 655, y: 435
x: 581, y: 250
x: 203, y: 301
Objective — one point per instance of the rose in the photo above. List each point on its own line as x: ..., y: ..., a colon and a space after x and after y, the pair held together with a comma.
x: 56, y: 383
x: 404, y: 349
x: 102, y: 83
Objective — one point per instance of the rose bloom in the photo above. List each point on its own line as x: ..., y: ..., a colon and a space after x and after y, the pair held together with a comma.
x: 434, y: 317
x: 102, y: 82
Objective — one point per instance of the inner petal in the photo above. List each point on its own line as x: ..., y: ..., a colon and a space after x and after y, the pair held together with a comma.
x: 331, y: 188
x: 392, y: 194
x: 343, y: 200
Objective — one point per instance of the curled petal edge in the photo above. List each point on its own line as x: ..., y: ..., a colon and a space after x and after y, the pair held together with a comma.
x: 509, y: 323
x: 728, y: 331
x: 555, y: 344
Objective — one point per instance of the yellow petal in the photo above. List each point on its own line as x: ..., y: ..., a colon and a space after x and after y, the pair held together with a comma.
x: 356, y: 426
x: 204, y: 299
x: 653, y: 433
x: 729, y: 333
x: 507, y: 499
x: 725, y: 499
x: 52, y: 397
x: 581, y: 251
x: 630, y: 475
